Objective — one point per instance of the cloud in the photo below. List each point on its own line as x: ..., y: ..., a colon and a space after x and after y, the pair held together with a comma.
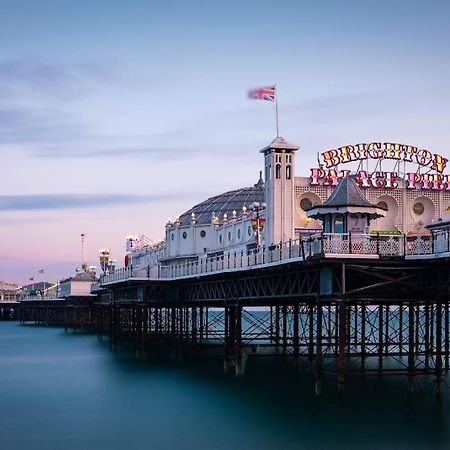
x: 36, y: 118
x: 168, y: 152
x: 40, y: 78
x: 53, y: 133
x: 70, y: 201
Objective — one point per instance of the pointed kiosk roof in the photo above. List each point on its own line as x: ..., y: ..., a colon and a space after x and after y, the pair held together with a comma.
x: 346, y: 198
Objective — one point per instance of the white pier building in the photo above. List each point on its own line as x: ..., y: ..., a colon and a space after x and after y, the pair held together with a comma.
x: 274, y: 210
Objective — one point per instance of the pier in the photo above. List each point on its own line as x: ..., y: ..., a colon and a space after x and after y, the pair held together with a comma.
x: 340, y: 305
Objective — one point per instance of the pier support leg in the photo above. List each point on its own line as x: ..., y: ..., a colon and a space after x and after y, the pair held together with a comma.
x: 411, y: 347
x: 318, y: 372
x: 233, y: 339
x: 342, y: 312
x: 277, y: 326
x: 363, y: 338
x: 438, y: 364
x: 296, y: 340
x: 342, y: 330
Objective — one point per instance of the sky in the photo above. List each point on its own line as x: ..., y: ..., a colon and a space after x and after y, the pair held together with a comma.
x: 117, y: 115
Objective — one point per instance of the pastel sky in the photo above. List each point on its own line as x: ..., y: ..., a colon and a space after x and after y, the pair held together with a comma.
x: 116, y: 115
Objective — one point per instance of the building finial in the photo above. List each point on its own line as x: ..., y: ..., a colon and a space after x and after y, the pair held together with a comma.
x: 260, y: 183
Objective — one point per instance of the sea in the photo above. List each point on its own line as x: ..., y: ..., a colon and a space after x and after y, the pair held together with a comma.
x: 60, y: 390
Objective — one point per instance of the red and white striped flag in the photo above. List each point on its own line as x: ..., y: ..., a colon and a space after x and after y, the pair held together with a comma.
x: 265, y: 93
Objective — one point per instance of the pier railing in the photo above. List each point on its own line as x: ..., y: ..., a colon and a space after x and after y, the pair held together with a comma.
x: 323, y: 244
x: 29, y: 298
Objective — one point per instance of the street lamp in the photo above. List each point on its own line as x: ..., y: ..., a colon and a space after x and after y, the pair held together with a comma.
x: 104, y: 258
x: 258, y: 220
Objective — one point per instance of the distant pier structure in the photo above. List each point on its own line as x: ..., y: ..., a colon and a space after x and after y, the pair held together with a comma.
x: 346, y: 272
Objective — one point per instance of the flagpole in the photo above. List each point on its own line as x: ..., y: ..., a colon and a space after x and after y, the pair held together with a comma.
x: 276, y: 109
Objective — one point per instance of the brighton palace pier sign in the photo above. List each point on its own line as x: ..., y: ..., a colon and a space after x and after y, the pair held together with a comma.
x: 429, y: 173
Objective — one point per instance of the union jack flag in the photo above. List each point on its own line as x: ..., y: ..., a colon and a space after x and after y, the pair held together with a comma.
x: 264, y: 93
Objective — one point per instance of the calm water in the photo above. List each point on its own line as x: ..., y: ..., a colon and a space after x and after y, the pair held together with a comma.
x: 64, y: 391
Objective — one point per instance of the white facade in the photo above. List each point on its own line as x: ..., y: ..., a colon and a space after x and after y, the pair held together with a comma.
x: 195, y: 241
x: 73, y: 287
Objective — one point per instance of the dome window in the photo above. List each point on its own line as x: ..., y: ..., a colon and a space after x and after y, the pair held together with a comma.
x: 202, y: 233
x: 305, y: 203
x: 383, y: 205
x: 418, y: 208
x: 184, y: 235
x: 229, y: 236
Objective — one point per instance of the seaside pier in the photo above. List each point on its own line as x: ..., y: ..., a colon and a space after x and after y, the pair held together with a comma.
x: 341, y: 308
x: 346, y: 275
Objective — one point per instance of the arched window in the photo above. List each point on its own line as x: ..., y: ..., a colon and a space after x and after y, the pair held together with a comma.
x: 278, y: 171
x: 288, y: 172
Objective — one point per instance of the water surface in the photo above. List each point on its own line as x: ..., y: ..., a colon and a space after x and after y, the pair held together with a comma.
x: 64, y: 391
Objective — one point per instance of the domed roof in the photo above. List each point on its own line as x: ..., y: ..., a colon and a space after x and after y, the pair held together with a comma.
x: 225, y: 203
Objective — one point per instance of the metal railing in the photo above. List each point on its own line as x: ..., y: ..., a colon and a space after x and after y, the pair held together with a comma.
x: 323, y: 244
x: 28, y: 298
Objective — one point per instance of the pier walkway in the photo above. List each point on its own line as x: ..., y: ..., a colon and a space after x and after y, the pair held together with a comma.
x: 324, y: 245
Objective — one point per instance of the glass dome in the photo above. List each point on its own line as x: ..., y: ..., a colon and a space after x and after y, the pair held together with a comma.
x: 225, y: 203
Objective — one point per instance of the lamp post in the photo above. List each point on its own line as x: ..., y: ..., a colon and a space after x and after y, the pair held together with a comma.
x: 104, y: 258
x: 83, y: 264
x: 257, y: 210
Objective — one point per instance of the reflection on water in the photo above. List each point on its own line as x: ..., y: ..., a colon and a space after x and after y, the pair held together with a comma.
x: 63, y: 391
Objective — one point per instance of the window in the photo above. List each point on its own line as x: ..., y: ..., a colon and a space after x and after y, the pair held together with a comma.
x: 382, y: 205
x: 305, y: 203
x: 202, y: 233
x: 338, y: 224
x: 278, y: 171
x: 418, y: 208
x: 229, y: 236
x: 239, y: 233
x: 249, y: 230
x: 288, y: 172
x: 220, y: 238
x: 184, y: 235
x: 172, y: 236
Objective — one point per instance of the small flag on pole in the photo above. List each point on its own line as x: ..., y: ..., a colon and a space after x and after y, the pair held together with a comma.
x: 268, y: 93
x: 265, y: 93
